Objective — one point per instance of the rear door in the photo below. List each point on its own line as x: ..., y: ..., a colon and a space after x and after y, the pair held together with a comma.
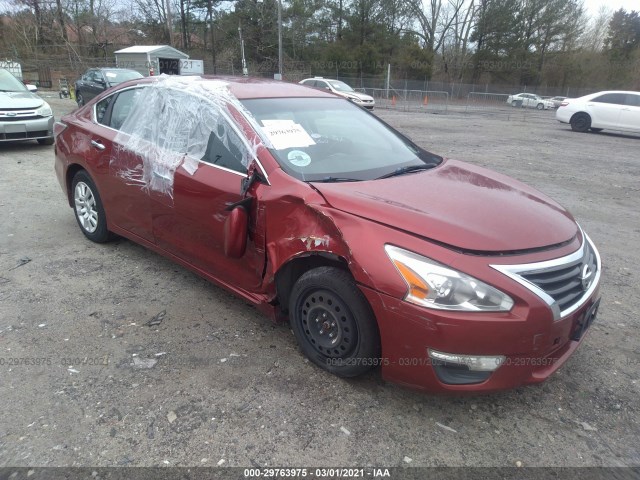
x: 605, y: 110
x: 125, y: 195
x: 630, y: 113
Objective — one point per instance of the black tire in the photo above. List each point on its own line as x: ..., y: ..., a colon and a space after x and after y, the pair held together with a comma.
x: 79, y: 99
x: 580, y: 122
x: 596, y: 130
x: 514, y: 103
x: 96, y: 233
x: 540, y: 106
x: 46, y: 141
x: 333, y: 322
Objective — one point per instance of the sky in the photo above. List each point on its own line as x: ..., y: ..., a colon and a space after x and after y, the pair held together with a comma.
x: 594, y: 5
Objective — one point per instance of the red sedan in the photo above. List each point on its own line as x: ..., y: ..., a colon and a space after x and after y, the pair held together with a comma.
x: 450, y: 277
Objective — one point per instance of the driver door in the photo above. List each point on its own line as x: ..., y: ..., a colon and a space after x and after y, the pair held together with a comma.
x: 191, y: 224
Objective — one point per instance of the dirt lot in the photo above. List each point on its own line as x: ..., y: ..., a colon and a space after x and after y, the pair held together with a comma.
x: 228, y: 385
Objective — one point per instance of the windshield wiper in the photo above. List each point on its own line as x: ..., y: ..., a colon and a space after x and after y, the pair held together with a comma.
x: 337, y: 179
x: 403, y: 170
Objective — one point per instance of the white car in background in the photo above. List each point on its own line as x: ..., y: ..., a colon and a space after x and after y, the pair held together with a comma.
x: 342, y: 89
x: 614, y: 110
x: 529, y: 100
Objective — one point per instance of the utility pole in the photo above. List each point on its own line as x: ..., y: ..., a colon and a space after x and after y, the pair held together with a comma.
x: 279, y: 76
x: 169, y: 24
x: 245, y: 71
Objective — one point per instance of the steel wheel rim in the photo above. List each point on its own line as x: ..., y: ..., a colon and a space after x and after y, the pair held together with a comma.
x: 86, y: 207
x: 327, y: 323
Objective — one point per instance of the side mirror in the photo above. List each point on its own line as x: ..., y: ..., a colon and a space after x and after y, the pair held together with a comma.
x: 236, y: 229
x: 31, y: 88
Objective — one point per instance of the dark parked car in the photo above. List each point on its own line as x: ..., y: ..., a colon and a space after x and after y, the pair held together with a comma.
x: 448, y: 276
x: 96, y: 80
x: 23, y: 114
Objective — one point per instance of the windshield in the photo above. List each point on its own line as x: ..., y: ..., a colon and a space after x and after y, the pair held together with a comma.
x: 9, y: 83
x: 340, y: 86
x: 118, y: 76
x: 321, y: 139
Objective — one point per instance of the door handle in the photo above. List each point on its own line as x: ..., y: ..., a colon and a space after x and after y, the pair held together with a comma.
x: 98, y: 145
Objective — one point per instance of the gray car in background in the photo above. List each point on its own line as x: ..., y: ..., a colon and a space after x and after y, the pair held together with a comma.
x: 23, y: 114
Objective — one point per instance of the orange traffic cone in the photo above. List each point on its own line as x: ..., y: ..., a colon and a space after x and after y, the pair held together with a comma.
x: 393, y: 100
x: 425, y: 102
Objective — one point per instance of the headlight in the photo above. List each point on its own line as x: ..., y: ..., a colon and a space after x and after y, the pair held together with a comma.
x: 431, y: 284
x: 44, y: 110
x: 353, y: 99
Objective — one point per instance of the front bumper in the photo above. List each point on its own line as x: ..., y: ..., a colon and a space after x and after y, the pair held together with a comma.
x: 26, y: 128
x: 533, y: 349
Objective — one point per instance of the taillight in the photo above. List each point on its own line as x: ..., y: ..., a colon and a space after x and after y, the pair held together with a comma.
x: 58, y: 128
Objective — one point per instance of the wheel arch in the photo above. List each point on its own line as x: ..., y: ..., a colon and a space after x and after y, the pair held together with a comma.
x: 71, y: 172
x: 291, y: 270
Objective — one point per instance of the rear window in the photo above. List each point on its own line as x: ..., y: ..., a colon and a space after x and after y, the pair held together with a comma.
x: 118, y: 76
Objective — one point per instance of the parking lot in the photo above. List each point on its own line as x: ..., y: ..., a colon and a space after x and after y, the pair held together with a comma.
x: 86, y: 381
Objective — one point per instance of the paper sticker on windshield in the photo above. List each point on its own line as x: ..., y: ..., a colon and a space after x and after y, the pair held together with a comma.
x: 298, y: 158
x: 110, y: 74
x: 287, y: 135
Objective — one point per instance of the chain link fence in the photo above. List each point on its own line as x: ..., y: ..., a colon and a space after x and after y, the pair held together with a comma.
x: 48, y: 71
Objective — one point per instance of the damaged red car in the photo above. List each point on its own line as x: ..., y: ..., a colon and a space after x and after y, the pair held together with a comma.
x: 447, y: 276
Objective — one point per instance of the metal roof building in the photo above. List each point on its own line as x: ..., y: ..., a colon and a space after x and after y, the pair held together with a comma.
x: 151, y: 59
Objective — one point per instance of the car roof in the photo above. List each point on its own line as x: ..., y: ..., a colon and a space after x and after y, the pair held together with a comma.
x: 613, y: 91
x: 244, y: 88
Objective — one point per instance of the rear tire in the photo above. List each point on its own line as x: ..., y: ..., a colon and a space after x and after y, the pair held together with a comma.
x: 88, y: 208
x: 79, y: 99
x: 580, y: 122
x: 333, y: 322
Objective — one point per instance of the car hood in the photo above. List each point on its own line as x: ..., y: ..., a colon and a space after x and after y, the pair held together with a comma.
x: 17, y: 100
x: 461, y: 205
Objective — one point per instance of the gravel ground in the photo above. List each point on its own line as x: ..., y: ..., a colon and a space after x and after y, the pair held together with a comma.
x: 229, y: 385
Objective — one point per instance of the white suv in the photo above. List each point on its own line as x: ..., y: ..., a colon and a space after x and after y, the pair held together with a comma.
x: 342, y: 89
x: 615, y: 110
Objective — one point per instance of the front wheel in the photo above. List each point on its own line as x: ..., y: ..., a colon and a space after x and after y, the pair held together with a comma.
x: 79, y: 98
x: 540, y: 106
x: 580, y: 122
x: 88, y: 208
x: 333, y: 322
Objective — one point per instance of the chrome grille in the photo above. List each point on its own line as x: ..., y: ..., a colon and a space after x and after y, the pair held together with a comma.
x: 564, y: 283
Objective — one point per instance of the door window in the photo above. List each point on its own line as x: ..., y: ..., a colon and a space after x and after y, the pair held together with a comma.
x: 615, y: 98
x: 122, y: 107
x: 633, y: 100
x: 102, y: 107
x: 225, y: 148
